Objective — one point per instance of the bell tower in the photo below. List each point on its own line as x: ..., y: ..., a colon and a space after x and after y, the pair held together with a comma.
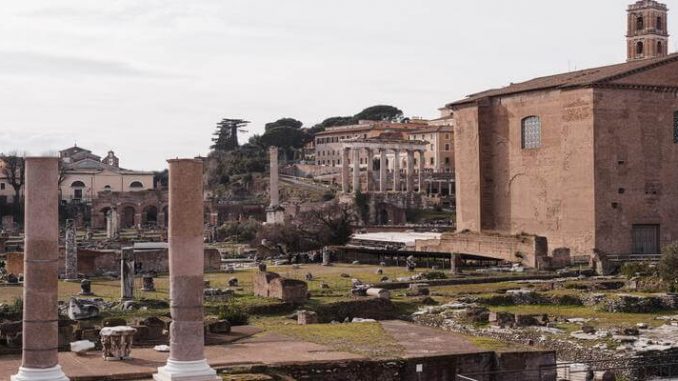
x: 647, y: 35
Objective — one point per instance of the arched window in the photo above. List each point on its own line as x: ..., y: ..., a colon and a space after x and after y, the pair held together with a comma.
x: 659, y: 23
x: 660, y: 47
x: 530, y: 132
x: 77, y: 184
x: 107, y: 188
x: 640, y: 25
x: 639, y: 48
x: 136, y: 184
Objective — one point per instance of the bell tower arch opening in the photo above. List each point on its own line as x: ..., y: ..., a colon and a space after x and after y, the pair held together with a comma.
x: 647, y: 35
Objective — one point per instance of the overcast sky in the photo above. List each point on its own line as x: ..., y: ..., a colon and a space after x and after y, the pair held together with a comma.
x: 150, y: 78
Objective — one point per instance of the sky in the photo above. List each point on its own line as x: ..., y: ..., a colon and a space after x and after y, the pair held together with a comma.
x: 149, y: 79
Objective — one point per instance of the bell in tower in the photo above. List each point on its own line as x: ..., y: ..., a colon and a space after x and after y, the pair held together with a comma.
x: 647, y: 35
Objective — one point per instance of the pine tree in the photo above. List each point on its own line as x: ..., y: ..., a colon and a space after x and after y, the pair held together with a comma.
x: 226, y: 136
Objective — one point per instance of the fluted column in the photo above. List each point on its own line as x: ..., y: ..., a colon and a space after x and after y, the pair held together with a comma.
x: 356, y: 170
x: 383, y: 171
x: 410, y: 171
x: 344, y: 170
x: 186, y: 264
x: 396, y: 170
x: 422, y: 162
x: 41, y: 265
x: 370, y: 180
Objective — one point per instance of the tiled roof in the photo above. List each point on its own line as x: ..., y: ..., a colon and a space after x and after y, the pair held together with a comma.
x: 580, y: 78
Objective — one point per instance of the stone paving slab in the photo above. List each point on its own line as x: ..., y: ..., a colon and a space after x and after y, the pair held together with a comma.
x: 419, y: 341
x: 262, y: 349
x: 268, y: 348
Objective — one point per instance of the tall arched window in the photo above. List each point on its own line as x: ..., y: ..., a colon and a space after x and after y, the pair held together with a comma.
x: 659, y: 23
x: 639, y: 48
x: 530, y: 132
x: 660, y: 48
x: 640, y: 25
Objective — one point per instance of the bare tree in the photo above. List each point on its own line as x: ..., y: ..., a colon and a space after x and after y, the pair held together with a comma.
x: 14, y: 170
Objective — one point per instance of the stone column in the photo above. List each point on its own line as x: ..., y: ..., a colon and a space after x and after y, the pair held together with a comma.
x: 344, y: 170
x: 273, y: 190
x: 71, y: 252
x: 410, y: 171
x: 396, y: 170
x: 41, y: 272
x: 115, y: 222
x: 453, y: 263
x: 127, y: 274
x: 186, y: 263
x: 356, y: 170
x: 370, y: 180
x: 383, y: 171
x: 109, y: 224
x: 422, y: 162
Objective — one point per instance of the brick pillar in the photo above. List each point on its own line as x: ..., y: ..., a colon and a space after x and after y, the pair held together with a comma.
x: 356, y: 170
x: 344, y: 170
x: 410, y: 171
x: 396, y: 170
x: 383, y: 171
x: 186, y: 262
x: 273, y: 189
x: 41, y: 265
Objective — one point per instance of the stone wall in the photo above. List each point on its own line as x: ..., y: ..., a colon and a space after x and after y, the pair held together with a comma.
x: 526, y: 249
x: 636, y: 159
x: 519, y: 366
x: 97, y: 262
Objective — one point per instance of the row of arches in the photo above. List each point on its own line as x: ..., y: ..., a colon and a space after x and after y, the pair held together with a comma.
x: 130, y: 216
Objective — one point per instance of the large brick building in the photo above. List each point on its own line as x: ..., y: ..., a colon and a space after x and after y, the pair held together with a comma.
x: 586, y: 159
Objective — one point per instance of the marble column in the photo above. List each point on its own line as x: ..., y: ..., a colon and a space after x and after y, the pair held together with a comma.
x: 109, y: 224
x: 127, y: 274
x: 422, y: 162
x: 273, y: 189
x: 71, y: 249
x: 370, y: 164
x: 356, y: 170
x: 344, y: 170
x: 396, y: 170
x: 186, y: 264
x: 383, y: 171
x: 41, y: 265
x: 115, y: 222
x: 410, y: 171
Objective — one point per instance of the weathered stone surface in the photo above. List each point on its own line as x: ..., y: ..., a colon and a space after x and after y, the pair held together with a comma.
x: 81, y: 309
x: 116, y: 342
x: 307, y: 317
x: 272, y: 285
x: 219, y: 326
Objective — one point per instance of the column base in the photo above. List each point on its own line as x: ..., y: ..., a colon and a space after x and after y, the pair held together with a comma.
x: 33, y: 374
x: 186, y: 371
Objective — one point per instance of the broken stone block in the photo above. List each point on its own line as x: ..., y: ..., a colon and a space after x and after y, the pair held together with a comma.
x: 502, y: 319
x: 149, y: 283
x: 10, y: 333
x: 81, y: 309
x: 379, y: 271
x: 81, y: 346
x: 86, y: 287
x: 307, y: 317
x: 477, y: 314
x: 344, y: 275
x: 379, y: 292
x: 272, y: 285
x: 526, y: 320
x: 222, y: 327
x: 588, y: 329
x: 113, y: 322
x: 233, y: 282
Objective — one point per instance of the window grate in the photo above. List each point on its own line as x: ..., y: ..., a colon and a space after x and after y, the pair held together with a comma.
x: 531, y: 132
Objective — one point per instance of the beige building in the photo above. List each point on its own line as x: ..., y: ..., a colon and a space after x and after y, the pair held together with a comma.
x: 86, y: 174
x: 439, y: 134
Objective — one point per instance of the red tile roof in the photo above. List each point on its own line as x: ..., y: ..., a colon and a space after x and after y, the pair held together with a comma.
x: 580, y: 78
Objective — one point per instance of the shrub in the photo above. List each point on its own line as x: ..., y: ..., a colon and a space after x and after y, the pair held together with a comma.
x: 434, y: 275
x: 235, y: 314
x: 668, y: 265
x: 632, y: 269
